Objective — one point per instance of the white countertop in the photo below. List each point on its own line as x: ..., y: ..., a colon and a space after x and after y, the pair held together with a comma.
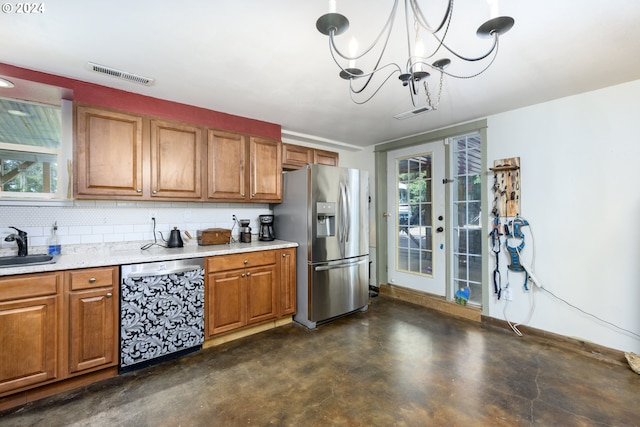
x: 84, y: 256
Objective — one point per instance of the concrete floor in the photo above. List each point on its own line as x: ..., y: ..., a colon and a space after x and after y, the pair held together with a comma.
x: 395, y: 365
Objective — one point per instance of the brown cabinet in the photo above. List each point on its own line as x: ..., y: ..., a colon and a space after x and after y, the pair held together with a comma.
x: 30, y: 330
x: 321, y: 157
x: 176, y: 160
x: 126, y: 156
x: 297, y: 156
x: 92, y: 296
x: 242, y: 289
x: 243, y: 168
x: 287, y: 281
x: 108, y: 153
x: 245, y: 289
x: 54, y: 326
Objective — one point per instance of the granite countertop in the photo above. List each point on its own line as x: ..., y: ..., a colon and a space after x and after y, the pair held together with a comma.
x: 84, y: 256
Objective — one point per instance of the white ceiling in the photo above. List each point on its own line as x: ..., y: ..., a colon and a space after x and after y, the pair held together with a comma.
x: 265, y: 59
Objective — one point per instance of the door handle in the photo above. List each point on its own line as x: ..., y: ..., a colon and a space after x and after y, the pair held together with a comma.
x: 439, y: 230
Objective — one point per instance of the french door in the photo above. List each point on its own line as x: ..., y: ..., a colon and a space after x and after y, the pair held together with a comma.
x: 416, y: 213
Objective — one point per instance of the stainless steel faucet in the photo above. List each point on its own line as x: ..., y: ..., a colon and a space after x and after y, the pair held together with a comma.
x: 21, y: 239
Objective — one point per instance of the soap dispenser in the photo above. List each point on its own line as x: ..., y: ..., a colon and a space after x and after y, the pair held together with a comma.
x: 53, y: 243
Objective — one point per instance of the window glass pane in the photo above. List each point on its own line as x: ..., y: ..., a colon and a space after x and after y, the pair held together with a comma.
x: 23, y: 172
x: 467, y: 262
x: 414, y: 216
x: 31, y: 138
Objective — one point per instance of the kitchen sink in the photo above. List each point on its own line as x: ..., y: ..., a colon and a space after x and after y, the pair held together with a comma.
x: 17, y: 261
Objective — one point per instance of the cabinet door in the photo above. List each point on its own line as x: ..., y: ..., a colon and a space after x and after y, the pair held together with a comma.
x: 92, y: 329
x: 262, y: 293
x: 265, y: 170
x: 328, y: 158
x: 226, y: 302
x: 176, y: 158
x: 29, y: 342
x: 288, y: 281
x: 296, y: 156
x: 226, y: 168
x: 108, y: 153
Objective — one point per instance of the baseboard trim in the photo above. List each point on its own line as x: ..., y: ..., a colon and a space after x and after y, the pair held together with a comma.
x: 245, y: 332
x: 438, y: 303
x: 586, y: 348
x: 431, y: 301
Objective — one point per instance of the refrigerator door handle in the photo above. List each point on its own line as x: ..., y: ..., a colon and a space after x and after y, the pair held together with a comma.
x: 336, y: 266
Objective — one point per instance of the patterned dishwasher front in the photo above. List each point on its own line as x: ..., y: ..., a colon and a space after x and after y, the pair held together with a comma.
x: 160, y: 314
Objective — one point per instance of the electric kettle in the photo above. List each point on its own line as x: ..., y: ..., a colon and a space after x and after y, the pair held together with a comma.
x: 175, y: 240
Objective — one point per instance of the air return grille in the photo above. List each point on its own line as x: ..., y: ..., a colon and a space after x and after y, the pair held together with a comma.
x: 412, y: 113
x: 119, y: 74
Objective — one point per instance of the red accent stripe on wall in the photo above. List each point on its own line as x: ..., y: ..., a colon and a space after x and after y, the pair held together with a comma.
x: 104, y: 96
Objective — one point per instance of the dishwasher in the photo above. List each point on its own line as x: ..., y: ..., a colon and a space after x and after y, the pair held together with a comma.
x: 161, y: 311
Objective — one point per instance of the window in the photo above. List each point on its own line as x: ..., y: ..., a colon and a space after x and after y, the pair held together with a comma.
x: 415, y: 201
x: 33, y: 152
x: 467, y: 229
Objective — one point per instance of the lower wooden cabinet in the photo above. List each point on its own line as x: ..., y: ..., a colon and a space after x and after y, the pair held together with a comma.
x: 92, y: 297
x: 288, y: 281
x: 54, y: 326
x: 246, y: 289
x: 30, y: 330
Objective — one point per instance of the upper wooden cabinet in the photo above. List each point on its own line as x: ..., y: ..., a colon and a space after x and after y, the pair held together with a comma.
x: 265, y: 170
x: 321, y: 157
x: 125, y: 156
x: 176, y: 160
x: 243, y: 168
x: 108, y: 153
x: 297, y: 156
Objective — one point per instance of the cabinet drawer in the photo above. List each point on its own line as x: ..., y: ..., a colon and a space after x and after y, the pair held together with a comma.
x: 93, y: 278
x: 29, y: 285
x: 234, y: 261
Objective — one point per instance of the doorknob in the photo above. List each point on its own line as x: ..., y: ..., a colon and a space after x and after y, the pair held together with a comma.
x: 439, y: 230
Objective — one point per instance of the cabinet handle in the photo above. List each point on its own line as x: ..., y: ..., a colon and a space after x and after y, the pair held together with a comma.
x: 109, y: 295
x: 138, y: 190
x: 253, y: 195
x: 154, y: 192
x: 242, y: 275
x: 248, y: 274
x: 92, y: 280
x: 246, y: 261
x: 285, y: 255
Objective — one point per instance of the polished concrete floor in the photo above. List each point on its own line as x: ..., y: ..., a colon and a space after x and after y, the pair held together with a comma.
x: 395, y: 365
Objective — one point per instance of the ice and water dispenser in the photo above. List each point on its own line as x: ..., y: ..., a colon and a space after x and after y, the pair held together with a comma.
x: 326, y: 219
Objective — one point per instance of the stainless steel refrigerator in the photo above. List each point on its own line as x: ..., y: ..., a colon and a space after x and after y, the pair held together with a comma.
x: 326, y: 210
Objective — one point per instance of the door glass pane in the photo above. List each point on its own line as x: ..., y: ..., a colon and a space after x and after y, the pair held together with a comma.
x: 467, y: 232
x: 414, y: 214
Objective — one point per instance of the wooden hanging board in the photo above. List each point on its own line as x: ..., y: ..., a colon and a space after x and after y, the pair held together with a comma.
x: 506, y: 189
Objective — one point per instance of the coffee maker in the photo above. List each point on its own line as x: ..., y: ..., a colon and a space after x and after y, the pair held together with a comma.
x: 245, y: 231
x: 266, y: 228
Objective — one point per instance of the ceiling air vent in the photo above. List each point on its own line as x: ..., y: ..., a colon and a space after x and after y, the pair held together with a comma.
x: 412, y: 113
x: 147, y: 81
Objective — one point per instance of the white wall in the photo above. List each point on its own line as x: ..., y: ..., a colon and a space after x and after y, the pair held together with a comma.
x: 579, y: 161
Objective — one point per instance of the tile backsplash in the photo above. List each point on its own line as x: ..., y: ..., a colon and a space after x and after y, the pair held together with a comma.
x: 108, y: 222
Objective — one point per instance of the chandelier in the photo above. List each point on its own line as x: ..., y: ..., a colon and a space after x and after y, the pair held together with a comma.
x: 420, y: 33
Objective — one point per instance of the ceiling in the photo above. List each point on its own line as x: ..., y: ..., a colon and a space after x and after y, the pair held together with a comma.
x: 265, y: 59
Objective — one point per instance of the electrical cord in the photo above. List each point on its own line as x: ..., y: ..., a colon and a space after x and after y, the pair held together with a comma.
x: 155, y: 240
x: 530, y: 271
